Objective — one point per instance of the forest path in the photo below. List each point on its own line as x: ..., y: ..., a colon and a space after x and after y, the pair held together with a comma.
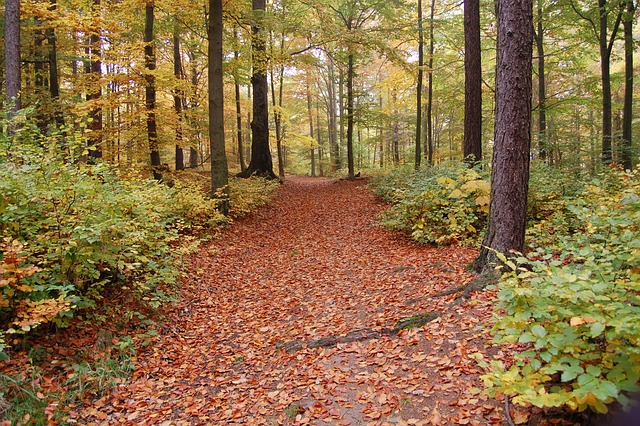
x: 311, y: 264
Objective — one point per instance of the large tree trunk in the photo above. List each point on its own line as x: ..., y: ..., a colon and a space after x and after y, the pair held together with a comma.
x: 12, y: 53
x: 350, y: 113
x: 150, y: 89
x: 418, y: 142
x: 261, y: 160
x: 219, y: 170
x: 627, y: 158
x: 510, y: 177
x: 177, y: 98
x: 94, y: 69
x: 542, y: 95
x: 472, y: 142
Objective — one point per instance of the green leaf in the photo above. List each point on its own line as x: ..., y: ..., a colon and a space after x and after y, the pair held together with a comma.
x: 538, y: 330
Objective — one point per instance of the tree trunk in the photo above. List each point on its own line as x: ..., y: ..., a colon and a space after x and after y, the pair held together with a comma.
x: 277, y: 106
x: 54, y: 80
x: 94, y: 69
x: 627, y: 158
x: 472, y: 143
x: 510, y: 177
x: 150, y: 89
x: 606, y: 44
x: 219, y: 170
x: 350, y: 113
x: 418, y: 142
x: 177, y: 98
x: 236, y: 84
x: 430, y: 88
x: 542, y: 95
x: 261, y: 160
x: 334, y: 148
x: 12, y: 54
x: 310, y: 113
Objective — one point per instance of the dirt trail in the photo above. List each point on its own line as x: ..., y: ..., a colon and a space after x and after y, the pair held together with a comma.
x: 312, y: 264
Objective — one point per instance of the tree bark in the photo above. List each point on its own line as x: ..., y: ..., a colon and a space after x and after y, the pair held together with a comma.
x: 510, y: 177
x: 261, y: 160
x: 150, y: 89
x: 542, y: 95
x: 219, y: 170
x: 177, y: 98
x: 472, y: 142
x: 310, y: 113
x: 418, y: 142
x: 627, y: 157
x: 54, y: 80
x: 430, y: 88
x: 350, y: 113
x: 12, y: 54
x: 334, y: 147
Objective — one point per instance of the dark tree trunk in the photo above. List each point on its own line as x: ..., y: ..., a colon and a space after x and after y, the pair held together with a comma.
x: 510, y: 177
x: 277, y: 106
x: 627, y: 158
x: 236, y: 84
x: 219, y: 170
x: 606, y: 44
x: 430, y: 88
x: 261, y: 160
x: 472, y: 144
x: 12, y: 54
x: 177, y: 98
x: 542, y: 92
x: 93, y: 69
x: 418, y: 142
x: 150, y: 89
x: 350, y: 113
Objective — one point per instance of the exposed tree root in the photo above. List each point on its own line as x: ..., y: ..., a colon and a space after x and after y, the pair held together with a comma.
x: 360, y: 334
x: 479, y: 283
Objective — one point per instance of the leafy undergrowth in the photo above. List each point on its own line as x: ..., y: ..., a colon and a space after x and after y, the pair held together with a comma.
x: 310, y: 265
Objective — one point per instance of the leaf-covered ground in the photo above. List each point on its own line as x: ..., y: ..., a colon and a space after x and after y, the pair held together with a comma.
x: 311, y: 265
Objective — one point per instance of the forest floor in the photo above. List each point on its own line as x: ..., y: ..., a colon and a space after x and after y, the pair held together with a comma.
x: 287, y: 317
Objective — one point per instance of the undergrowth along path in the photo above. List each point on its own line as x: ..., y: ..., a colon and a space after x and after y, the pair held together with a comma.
x: 311, y: 264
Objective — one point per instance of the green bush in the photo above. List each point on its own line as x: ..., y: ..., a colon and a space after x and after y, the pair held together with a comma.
x: 574, y: 304
x: 443, y: 205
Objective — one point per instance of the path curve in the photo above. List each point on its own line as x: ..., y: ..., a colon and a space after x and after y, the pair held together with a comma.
x: 309, y: 265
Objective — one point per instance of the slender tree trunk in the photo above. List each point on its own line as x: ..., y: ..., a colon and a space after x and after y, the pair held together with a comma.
x: 236, y: 84
x: 510, y: 176
x: 261, y: 160
x: 277, y: 106
x: 177, y: 98
x: 350, y: 113
x: 542, y: 95
x: 150, y: 89
x: 472, y: 143
x: 627, y: 157
x: 219, y: 170
x: 310, y: 113
x: 93, y: 68
x: 430, y: 87
x: 418, y: 142
x: 12, y: 54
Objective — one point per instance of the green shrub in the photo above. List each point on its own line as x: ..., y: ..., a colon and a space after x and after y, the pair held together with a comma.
x: 442, y: 205
x: 576, y: 307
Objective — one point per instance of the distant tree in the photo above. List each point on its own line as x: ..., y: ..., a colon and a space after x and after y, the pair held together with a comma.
x: 261, y: 161
x: 219, y: 169
x: 510, y: 176
x: 542, y: 94
x: 12, y: 53
x: 177, y: 98
x: 472, y: 143
x: 93, y: 69
x: 418, y: 145
x: 150, y: 89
